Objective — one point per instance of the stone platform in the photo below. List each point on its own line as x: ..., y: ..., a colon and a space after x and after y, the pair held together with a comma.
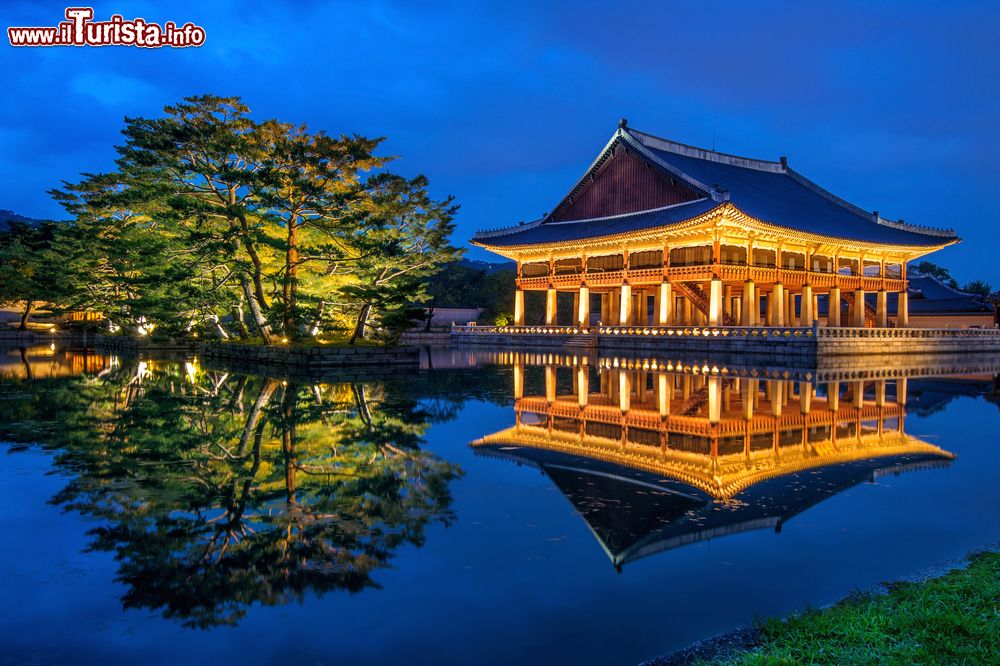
x: 806, y: 343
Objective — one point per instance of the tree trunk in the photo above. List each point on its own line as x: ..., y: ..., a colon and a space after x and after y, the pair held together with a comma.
x: 430, y: 318
x: 291, y: 286
x: 359, y: 327
x: 241, y: 325
x: 24, y: 317
x: 259, y: 320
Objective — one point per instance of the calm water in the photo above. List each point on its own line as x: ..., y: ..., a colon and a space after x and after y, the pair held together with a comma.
x: 490, y: 508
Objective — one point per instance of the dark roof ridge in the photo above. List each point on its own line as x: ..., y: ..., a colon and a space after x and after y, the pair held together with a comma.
x: 504, y: 231
x: 933, y: 278
x: 711, y: 155
x: 780, y: 167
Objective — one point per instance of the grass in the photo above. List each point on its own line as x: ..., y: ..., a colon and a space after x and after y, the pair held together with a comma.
x: 954, y: 619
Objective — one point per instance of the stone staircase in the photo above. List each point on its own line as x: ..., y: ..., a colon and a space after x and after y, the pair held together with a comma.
x: 869, y: 310
x: 699, y: 299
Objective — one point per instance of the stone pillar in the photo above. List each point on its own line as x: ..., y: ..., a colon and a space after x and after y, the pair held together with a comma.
x: 714, y: 399
x: 881, y: 309
x: 583, y: 307
x: 550, y: 383
x: 858, y: 310
x: 550, y: 306
x: 727, y: 302
x: 748, y: 390
x: 833, y: 396
x: 640, y: 306
x: 687, y: 315
x: 790, y: 316
x: 903, y: 310
x: 805, y: 397
x: 901, y: 391
x: 519, y: 307
x: 833, y: 307
x: 665, y: 393
x: 778, y: 312
x: 664, y: 313
x: 880, y: 392
x: 614, y: 307
x: 806, y: 307
x: 750, y: 304
x: 582, y: 385
x: 625, y: 307
x: 519, y: 377
x: 715, y: 302
x: 624, y: 390
x: 777, y: 388
x: 858, y: 394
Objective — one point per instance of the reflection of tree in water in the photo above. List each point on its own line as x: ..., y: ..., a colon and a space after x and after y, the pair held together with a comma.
x: 215, y: 494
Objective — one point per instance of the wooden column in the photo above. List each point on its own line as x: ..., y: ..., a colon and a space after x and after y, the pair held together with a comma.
x: 903, y: 310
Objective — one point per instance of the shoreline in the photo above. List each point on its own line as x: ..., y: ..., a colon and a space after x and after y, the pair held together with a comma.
x: 747, y: 640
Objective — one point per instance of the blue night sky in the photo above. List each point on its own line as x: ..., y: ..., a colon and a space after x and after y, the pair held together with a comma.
x: 893, y: 106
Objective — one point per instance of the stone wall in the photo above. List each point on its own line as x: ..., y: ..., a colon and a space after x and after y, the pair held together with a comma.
x: 309, y: 357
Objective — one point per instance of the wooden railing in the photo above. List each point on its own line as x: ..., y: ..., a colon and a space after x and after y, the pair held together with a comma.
x: 702, y: 273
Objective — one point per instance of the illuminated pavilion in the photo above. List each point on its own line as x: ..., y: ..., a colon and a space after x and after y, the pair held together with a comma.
x: 649, y: 457
x: 671, y: 235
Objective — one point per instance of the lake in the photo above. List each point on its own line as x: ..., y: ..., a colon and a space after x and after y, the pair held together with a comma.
x: 488, y: 508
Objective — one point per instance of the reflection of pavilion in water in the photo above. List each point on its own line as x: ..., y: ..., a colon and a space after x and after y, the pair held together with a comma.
x: 656, y: 459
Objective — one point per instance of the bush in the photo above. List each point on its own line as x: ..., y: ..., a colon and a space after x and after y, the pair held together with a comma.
x: 503, y: 319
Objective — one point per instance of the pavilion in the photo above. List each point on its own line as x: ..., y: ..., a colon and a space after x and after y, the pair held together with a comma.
x: 658, y: 459
x: 667, y: 234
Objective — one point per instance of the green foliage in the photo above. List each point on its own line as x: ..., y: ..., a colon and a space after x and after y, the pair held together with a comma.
x: 504, y: 319
x: 215, y: 221
x: 978, y: 287
x: 940, y: 272
x: 947, y: 620
x: 28, y: 266
x: 216, y: 491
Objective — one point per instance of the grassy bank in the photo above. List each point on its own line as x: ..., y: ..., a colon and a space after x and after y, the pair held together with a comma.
x: 954, y: 619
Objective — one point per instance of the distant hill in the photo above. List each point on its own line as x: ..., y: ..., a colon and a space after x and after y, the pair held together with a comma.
x: 8, y: 216
x: 488, y: 266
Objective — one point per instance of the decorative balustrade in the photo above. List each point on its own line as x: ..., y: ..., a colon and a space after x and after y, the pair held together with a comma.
x: 704, y: 272
x: 906, y: 333
x: 647, y: 331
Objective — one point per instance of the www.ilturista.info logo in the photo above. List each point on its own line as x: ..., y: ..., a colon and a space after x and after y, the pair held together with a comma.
x: 79, y: 29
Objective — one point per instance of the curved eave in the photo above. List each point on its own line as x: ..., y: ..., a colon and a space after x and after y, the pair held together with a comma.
x: 716, y: 214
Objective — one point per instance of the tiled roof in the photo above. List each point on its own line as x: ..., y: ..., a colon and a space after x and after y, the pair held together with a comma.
x: 554, y: 232
x: 768, y: 191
